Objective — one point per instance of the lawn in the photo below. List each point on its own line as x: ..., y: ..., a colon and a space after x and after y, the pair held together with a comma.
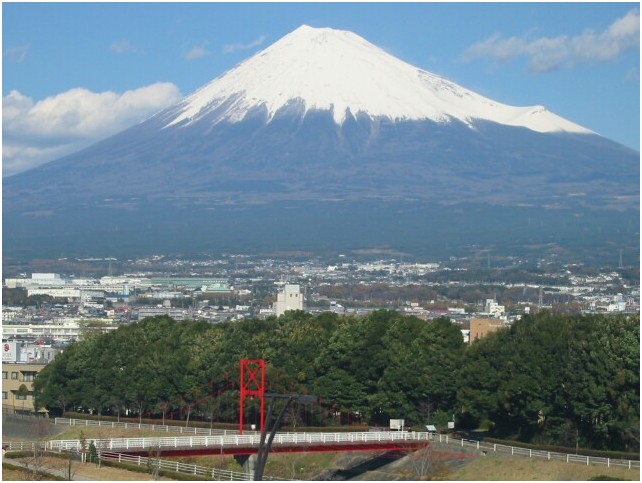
x: 509, y: 468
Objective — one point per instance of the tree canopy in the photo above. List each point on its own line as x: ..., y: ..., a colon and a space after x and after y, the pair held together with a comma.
x: 556, y: 378
x: 553, y: 378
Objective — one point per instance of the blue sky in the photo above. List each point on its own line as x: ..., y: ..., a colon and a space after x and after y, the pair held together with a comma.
x: 74, y: 73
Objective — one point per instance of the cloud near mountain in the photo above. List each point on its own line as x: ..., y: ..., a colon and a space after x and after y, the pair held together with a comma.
x: 547, y: 54
x: 35, y: 132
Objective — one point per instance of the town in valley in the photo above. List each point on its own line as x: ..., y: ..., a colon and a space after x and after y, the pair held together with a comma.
x: 44, y: 311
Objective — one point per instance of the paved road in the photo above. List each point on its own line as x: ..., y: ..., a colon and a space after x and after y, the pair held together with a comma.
x: 27, y: 428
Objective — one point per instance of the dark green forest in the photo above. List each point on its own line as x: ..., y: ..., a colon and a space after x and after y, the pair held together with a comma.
x: 549, y: 378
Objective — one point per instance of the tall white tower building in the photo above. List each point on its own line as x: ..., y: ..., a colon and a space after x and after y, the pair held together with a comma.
x: 289, y: 298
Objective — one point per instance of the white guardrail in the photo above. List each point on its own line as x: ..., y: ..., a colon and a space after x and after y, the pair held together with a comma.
x: 532, y: 453
x: 184, y: 442
x: 147, y: 427
x: 209, y: 473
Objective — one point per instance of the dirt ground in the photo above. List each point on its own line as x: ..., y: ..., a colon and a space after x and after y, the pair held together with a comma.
x: 85, y: 471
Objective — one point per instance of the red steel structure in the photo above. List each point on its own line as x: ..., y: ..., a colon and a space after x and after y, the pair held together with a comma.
x: 294, y: 448
x: 252, y: 384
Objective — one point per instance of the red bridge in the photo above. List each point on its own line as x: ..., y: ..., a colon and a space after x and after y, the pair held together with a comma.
x: 248, y: 443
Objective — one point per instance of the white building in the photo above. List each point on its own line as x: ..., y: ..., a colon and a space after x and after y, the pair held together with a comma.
x: 37, y: 279
x: 14, y: 351
x: 173, y: 312
x: 64, y: 330
x: 337, y: 308
x: 289, y: 298
x: 493, y: 309
x: 60, y: 293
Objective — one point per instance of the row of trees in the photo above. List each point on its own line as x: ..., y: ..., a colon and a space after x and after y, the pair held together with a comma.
x: 549, y: 377
x: 558, y: 378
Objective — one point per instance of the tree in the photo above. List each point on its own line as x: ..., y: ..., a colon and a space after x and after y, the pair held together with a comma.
x: 428, y: 464
x: 602, y: 381
x: 22, y: 393
x: 92, y: 453
x: 422, y: 357
x: 70, y: 468
x: 557, y: 378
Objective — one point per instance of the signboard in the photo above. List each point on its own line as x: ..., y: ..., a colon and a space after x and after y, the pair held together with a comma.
x: 397, y: 424
x: 9, y: 352
x: 451, y: 424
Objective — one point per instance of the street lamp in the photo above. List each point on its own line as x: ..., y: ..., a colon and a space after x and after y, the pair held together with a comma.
x: 264, y: 448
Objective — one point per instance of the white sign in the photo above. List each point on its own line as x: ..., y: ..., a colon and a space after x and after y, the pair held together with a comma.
x: 397, y: 423
x: 9, y: 352
x: 451, y: 424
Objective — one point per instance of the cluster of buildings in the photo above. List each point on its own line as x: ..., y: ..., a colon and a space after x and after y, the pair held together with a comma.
x: 238, y: 287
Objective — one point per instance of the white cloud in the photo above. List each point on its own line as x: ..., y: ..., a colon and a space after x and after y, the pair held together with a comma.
x: 230, y: 48
x: 37, y: 132
x: 122, y: 47
x: 546, y: 54
x: 197, y: 53
x: 633, y: 75
x: 17, y: 158
x: 17, y: 53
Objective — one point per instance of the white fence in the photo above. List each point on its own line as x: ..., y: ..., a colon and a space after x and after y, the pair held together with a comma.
x: 147, y: 427
x: 531, y: 453
x: 222, y: 441
x: 209, y: 473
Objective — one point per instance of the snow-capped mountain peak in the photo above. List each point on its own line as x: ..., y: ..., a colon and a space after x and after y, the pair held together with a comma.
x: 339, y: 71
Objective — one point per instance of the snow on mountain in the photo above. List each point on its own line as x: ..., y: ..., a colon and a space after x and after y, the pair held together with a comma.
x: 337, y: 70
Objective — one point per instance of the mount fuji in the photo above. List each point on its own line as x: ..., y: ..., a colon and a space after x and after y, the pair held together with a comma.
x: 318, y: 123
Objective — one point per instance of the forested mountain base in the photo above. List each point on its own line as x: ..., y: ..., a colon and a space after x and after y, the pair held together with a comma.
x: 556, y: 379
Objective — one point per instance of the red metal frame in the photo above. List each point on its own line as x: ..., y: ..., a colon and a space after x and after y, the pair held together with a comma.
x: 300, y: 448
x: 252, y: 384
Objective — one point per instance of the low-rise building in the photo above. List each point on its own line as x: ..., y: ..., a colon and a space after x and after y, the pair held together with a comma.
x: 482, y: 326
x: 493, y: 309
x: 174, y: 313
x: 17, y: 387
x: 63, y: 330
x: 34, y: 351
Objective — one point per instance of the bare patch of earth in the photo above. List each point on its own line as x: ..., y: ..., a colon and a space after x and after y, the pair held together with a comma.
x: 90, y: 471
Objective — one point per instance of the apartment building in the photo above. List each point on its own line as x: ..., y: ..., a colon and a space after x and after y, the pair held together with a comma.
x: 17, y: 387
x: 482, y: 326
x: 288, y: 298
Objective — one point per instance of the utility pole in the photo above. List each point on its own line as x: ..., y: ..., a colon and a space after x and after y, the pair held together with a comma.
x: 264, y: 447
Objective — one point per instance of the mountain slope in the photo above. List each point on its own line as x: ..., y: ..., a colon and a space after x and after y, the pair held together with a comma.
x: 311, y: 158
x: 323, y: 116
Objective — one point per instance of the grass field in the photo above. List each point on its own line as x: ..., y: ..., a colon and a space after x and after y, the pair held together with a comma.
x: 510, y: 468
